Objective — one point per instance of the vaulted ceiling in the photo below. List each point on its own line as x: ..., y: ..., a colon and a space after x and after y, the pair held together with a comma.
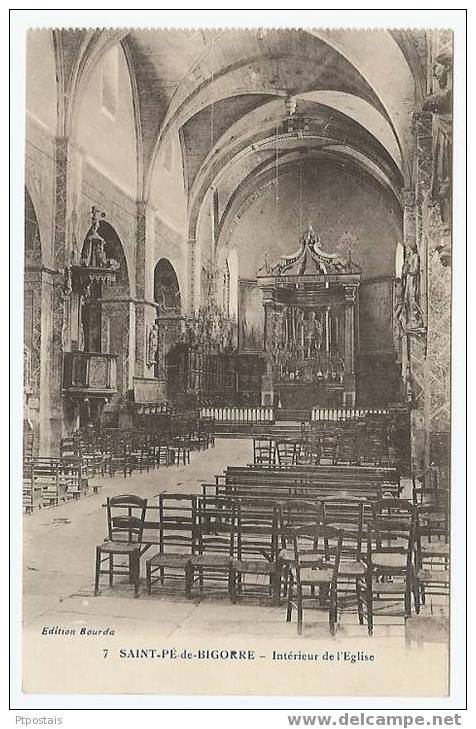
x: 224, y: 92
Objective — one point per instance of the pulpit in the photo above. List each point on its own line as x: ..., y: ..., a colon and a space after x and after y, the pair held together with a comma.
x: 311, y: 320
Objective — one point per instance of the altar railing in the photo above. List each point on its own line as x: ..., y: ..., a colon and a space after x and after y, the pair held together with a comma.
x: 239, y: 415
x: 344, y: 413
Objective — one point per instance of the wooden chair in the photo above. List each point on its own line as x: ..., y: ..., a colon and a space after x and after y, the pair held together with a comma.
x: 432, y: 545
x: 45, y: 479
x: 162, y: 451
x: 328, y: 448
x: 294, y: 514
x: 125, y: 520
x: 216, y: 544
x: 179, y: 450
x: 313, y: 583
x: 263, y: 452
x: 348, y: 515
x: 28, y: 495
x: 390, y: 558
x: 119, y: 457
x: 346, y: 448
x: 257, y: 544
x: 177, y: 540
x: 286, y: 453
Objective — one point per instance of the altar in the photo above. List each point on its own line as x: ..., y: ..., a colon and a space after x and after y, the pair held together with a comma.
x: 311, y: 327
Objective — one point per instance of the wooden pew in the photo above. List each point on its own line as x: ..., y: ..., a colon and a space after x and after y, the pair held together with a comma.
x: 339, y: 479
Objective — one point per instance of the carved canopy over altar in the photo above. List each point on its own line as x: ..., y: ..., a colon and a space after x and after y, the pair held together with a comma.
x: 311, y: 314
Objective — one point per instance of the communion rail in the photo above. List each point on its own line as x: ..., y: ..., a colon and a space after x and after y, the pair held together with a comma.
x: 344, y: 413
x: 246, y: 416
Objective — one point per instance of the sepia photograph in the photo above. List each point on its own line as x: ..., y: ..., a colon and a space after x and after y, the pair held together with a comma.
x: 237, y: 320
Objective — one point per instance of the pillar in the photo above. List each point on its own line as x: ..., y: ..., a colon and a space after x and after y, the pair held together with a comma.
x: 192, y: 244
x: 349, y: 344
x: 140, y: 319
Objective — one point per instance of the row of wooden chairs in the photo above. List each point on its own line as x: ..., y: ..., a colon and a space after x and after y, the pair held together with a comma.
x: 328, y: 448
x: 333, y: 553
x: 110, y: 451
x: 48, y: 481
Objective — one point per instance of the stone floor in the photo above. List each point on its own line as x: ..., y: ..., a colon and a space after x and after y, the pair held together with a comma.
x: 59, y: 547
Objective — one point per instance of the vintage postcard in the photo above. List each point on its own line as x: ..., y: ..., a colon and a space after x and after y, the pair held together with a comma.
x: 237, y: 415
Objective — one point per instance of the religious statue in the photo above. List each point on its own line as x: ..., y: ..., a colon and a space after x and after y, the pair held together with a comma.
x: 81, y: 338
x: 265, y: 268
x: 152, y: 344
x: 440, y: 102
x: 309, y: 237
x: 94, y: 252
x: 312, y: 333
x: 412, y: 313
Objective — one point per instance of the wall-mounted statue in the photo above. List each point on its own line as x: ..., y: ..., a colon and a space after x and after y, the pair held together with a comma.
x: 441, y: 100
x: 94, y: 250
x: 152, y: 344
x: 411, y: 315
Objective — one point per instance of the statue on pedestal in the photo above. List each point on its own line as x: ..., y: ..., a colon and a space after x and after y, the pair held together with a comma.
x: 152, y: 345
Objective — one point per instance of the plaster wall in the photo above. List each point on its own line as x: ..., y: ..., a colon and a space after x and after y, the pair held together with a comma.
x: 105, y: 130
x: 336, y: 203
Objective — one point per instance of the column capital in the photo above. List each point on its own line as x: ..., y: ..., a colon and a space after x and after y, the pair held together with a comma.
x: 408, y: 198
x: 350, y: 294
x: 141, y: 206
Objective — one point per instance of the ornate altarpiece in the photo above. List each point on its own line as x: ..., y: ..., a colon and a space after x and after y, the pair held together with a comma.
x: 311, y: 327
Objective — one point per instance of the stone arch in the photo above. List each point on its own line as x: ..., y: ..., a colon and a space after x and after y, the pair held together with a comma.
x: 169, y: 309
x: 166, y: 286
x: 33, y: 253
x: 115, y: 250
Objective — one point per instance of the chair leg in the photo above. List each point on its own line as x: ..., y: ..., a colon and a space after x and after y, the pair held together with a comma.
x: 98, y: 567
x: 276, y: 578
x: 136, y: 562
x: 359, y: 602
x: 111, y: 569
x: 232, y: 584
x: 299, y: 615
x: 289, y: 610
x: 148, y: 577
x: 188, y: 581
x: 416, y: 594
x: 370, y: 608
x: 408, y: 600
x: 332, y: 610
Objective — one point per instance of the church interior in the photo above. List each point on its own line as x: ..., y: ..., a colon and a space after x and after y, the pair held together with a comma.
x: 238, y: 257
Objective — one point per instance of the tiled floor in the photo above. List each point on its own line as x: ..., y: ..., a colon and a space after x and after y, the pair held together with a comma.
x: 59, y: 547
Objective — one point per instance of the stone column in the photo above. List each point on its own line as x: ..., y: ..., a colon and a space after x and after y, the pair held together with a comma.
x: 118, y: 314
x: 192, y: 244
x: 349, y: 344
x: 140, y: 320
x: 33, y: 285
x: 52, y: 410
x: 51, y: 401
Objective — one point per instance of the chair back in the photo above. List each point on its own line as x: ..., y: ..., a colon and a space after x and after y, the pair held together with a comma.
x: 177, y: 523
x: 126, y: 518
x: 393, y: 524
x: 392, y: 530
x: 347, y: 515
x: 286, y: 453
x: 263, y: 451
x: 216, y: 525
x: 257, y: 528
x: 325, y: 543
